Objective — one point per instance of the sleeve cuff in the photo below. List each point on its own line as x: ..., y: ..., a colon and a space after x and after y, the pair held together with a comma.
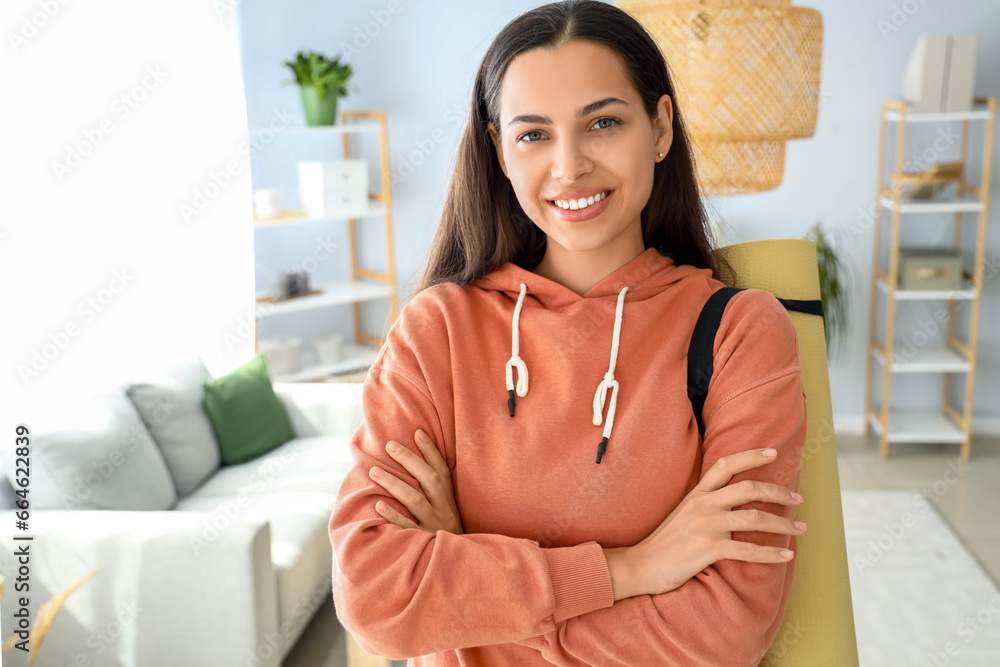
x: 580, y: 580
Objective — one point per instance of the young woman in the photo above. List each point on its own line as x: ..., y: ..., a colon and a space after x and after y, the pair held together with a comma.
x: 578, y: 518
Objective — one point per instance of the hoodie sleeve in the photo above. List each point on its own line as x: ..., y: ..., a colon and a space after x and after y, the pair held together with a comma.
x: 730, y: 613
x: 404, y: 592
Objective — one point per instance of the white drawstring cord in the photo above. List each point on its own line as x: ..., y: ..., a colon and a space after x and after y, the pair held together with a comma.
x: 609, y: 382
x: 515, y: 360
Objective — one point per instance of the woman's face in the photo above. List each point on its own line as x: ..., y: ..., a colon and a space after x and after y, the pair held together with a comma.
x: 556, y: 144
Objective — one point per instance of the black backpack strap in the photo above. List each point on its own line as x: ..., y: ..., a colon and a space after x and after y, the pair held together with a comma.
x: 814, y: 307
x: 702, y: 348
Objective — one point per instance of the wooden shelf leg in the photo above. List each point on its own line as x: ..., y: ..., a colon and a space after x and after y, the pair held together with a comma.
x: 385, y: 197
x: 870, y: 360
x: 890, y: 332
x: 977, y: 275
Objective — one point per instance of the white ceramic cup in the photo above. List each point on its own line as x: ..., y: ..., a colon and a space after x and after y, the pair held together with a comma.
x: 266, y: 202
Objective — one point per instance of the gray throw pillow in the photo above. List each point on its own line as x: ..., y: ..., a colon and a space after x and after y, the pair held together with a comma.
x: 96, y: 454
x: 8, y: 498
x: 170, y: 405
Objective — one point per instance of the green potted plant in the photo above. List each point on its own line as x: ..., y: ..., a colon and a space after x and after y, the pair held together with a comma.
x: 322, y: 82
x: 833, y: 292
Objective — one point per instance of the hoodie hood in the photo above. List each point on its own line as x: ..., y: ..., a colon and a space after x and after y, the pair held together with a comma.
x: 648, y: 274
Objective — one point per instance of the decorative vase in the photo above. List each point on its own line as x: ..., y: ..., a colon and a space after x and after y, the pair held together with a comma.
x: 319, y: 111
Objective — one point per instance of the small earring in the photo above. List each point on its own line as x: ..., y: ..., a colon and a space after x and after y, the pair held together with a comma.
x: 661, y: 154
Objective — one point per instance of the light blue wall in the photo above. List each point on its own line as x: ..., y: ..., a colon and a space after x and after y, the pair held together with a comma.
x: 418, y: 63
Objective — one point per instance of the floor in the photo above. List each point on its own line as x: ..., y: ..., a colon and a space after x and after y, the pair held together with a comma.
x: 967, y: 496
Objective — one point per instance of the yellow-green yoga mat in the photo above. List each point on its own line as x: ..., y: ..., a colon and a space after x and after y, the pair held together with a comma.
x: 818, y: 627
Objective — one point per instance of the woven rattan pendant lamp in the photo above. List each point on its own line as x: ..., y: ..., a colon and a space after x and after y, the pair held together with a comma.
x: 746, y: 74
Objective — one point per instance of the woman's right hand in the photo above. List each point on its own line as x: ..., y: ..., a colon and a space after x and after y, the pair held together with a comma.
x: 698, y: 532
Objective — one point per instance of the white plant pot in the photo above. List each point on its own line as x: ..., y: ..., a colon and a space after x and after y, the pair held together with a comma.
x: 283, y: 353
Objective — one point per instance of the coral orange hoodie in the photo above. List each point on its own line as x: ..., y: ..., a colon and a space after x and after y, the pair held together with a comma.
x: 520, y: 381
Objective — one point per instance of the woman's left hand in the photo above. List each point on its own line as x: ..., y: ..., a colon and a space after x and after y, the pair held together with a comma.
x: 435, y: 508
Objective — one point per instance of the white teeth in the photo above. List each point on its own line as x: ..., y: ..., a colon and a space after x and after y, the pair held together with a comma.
x: 582, y: 202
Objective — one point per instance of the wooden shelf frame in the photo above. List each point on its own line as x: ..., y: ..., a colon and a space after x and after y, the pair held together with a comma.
x: 893, y: 427
x: 365, y: 284
x: 384, y: 197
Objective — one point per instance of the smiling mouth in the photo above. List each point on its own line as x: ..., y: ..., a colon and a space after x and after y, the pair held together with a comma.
x: 574, y: 204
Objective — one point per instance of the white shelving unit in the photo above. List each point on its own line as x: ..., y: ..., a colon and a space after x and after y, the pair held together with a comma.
x: 365, y: 285
x: 950, y: 424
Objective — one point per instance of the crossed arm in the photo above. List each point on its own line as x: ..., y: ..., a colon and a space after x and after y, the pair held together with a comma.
x: 692, y: 625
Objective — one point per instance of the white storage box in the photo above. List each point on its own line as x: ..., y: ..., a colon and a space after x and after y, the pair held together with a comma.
x: 940, y: 75
x: 333, y: 188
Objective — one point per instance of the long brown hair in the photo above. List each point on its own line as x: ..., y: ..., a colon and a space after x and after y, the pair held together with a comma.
x: 483, y: 225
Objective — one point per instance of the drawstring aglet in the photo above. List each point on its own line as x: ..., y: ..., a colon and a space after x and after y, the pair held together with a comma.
x: 510, y: 402
x: 600, y: 449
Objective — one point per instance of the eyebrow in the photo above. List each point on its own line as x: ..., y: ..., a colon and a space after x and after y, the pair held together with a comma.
x: 583, y: 111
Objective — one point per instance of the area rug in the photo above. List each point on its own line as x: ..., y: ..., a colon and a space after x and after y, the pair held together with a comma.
x: 920, y: 598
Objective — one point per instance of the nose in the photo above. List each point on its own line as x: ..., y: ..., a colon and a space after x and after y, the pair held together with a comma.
x: 570, y: 161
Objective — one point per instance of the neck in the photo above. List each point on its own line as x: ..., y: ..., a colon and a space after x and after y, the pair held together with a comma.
x: 581, y: 270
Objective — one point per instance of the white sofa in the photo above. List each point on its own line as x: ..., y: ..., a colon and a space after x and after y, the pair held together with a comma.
x: 229, y: 575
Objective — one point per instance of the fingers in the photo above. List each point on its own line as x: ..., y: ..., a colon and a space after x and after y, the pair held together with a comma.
x: 431, y: 455
x: 392, y: 516
x: 412, y: 499
x: 434, y: 487
x: 760, y: 520
x: 750, y: 490
x: 430, y: 479
x: 755, y: 553
x: 728, y: 466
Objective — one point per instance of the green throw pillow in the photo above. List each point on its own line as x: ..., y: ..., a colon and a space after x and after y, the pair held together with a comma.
x: 247, y: 416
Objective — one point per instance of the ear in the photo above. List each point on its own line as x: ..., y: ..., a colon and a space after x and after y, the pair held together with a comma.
x: 663, y: 126
x: 497, y: 144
